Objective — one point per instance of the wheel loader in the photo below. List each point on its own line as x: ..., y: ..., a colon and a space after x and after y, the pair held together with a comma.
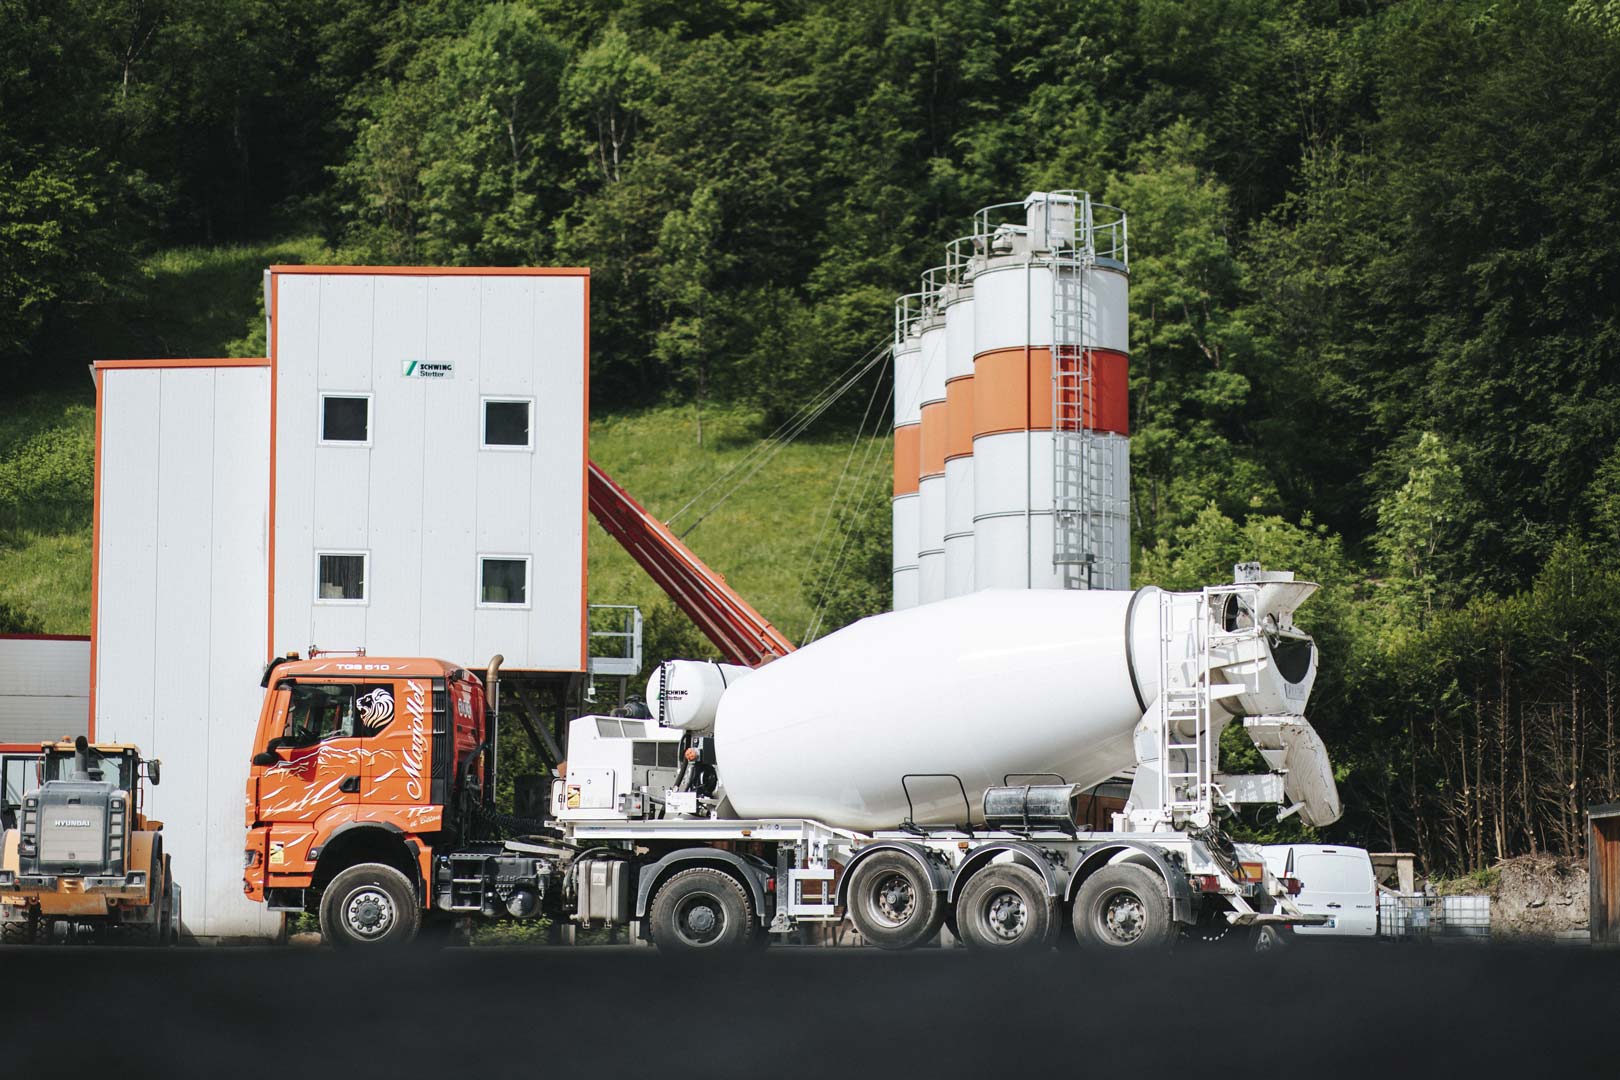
x: 84, y: 862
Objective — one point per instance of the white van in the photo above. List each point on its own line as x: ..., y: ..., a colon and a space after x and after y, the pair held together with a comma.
x: 1335, y: 881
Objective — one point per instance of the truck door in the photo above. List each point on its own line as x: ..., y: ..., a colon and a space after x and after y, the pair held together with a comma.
x: 403, y: 715
x: 322, y: 747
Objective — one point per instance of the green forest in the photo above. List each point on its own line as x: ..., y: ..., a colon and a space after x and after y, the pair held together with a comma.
x: 1375, y: 280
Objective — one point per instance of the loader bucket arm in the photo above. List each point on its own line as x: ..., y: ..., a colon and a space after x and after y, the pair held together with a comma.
x: 742, y: 634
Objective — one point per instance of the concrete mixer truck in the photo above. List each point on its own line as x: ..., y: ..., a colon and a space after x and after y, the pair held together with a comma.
x: 917, y: 769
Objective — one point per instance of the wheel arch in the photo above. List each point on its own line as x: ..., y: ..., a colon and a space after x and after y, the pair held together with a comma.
x: 1155, y: 858
x: 937, y: 871
x: 754, y: 874
x: 1024, y: 854
x: 358, y: 842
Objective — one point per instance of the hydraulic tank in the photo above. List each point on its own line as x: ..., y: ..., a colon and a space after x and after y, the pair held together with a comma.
x: 684, y: 694
x: 994, y: 685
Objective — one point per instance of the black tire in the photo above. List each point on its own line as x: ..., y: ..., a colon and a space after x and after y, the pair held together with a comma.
x: 701, y: 908
x: 1124, y: 907
x: 1005, y: 908
x: 892, y: 901
x: 369, y: 906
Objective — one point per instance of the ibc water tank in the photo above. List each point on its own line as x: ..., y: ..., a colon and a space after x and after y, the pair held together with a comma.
x: 981, y: 686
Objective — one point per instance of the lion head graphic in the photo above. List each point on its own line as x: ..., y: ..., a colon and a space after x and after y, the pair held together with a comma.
x: 374, y: 710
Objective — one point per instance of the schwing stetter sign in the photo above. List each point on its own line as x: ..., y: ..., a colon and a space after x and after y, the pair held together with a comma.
x: 421, y: 369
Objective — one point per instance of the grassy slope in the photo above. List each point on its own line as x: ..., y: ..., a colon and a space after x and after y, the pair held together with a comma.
x: 202, y: 302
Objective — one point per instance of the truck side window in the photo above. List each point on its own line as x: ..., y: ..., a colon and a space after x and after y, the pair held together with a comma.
x: 335, y: 711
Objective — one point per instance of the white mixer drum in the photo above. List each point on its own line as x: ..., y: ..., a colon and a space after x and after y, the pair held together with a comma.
x: 983, y: 686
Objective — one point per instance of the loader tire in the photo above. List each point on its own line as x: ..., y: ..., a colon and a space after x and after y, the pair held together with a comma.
x: 371, y: 905
x: 1124, y: 907
x: 892, y: 902
x: 1005, y: 908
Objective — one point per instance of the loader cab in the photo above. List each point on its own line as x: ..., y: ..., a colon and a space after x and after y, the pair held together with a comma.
x: 19, y: 774
x: 118, y: 764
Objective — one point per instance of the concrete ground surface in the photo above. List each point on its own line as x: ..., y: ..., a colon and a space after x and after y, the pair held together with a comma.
x: 1307, y: 1012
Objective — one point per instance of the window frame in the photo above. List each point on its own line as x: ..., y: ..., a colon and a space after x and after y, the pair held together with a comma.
x: 365, y: 577
x: 484, y: 402
x: 528, y: 582
x: 320, y: 418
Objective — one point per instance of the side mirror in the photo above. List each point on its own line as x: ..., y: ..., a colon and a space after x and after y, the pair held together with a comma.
x: 266, y: 757
x: 154, y: 771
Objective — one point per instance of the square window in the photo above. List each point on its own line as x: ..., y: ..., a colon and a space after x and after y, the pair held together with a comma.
x: 345, y: 418
x: 503, y: 581
x: 506, y: 423
x: 340, y: 576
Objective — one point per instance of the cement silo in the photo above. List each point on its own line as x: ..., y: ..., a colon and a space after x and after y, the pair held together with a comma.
x: 907, y: 436
x: 931, y: 472
x: 1050, y: 408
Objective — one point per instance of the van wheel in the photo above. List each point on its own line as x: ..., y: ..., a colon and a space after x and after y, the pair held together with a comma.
x: 1123, y: 907
x: 369, y: 905
x: 1005, y: 907
x: 702, y: 908
x: 892, y: 901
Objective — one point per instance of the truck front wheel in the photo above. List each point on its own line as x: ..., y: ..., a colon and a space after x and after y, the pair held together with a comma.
x: 701, y: 908
x: 1123, y: 907
x: 367, y: 905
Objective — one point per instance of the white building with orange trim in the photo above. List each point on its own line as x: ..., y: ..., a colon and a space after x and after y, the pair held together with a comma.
x: 405, y: 473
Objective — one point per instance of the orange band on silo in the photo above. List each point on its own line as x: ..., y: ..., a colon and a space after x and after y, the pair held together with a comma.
x: 933, y: 440
x: 905, y: 459
x: 1011, y: 393
x: 959, y: 417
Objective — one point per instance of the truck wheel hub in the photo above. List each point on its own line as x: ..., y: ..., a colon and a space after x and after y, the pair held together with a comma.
x: 1007, y: 916
x: 1124, y: 917
x: 370, y: 912
x: 700, y: 920
x: 895, y: 899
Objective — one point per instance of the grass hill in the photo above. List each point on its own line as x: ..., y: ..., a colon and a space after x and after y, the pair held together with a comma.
x: 203, y: 302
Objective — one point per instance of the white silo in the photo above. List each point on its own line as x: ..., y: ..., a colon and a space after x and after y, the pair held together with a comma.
x: 1051, y: 457
x: 907, y: 436
x: 931, y: 471
x: 959, y: 417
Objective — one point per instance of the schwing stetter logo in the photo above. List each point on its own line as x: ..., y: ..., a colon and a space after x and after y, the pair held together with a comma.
x: 374, y: 710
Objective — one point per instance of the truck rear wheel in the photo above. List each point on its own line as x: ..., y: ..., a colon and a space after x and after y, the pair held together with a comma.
x: 370, y: 904
x: 702, y: 908
x: 892, y: 901
x: 1005, y: 906
x: 1123, y: 907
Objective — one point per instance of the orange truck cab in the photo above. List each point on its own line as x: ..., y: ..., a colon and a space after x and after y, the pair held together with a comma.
x: 371, y: 780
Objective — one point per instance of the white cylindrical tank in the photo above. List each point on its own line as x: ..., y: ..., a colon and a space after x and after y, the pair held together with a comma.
x: 982, y: 686
x: 907, y: 437
x: 931, y: 462
x: 959, y: 438
x: 685, y: 694
x: 1050, y: 404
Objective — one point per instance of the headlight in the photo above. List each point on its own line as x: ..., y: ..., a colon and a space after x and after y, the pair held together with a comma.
x: 250, y: 858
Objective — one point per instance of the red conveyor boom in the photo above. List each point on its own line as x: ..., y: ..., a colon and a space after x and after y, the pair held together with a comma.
x: 742, y: 634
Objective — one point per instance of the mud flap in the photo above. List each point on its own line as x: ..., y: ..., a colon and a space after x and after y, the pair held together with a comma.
x: 1292, y: 747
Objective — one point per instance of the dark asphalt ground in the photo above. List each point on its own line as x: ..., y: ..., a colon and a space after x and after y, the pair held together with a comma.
x: 1305, y: 1013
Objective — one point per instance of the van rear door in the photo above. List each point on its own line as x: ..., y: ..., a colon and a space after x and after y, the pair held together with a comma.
x: 1337, y: 882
